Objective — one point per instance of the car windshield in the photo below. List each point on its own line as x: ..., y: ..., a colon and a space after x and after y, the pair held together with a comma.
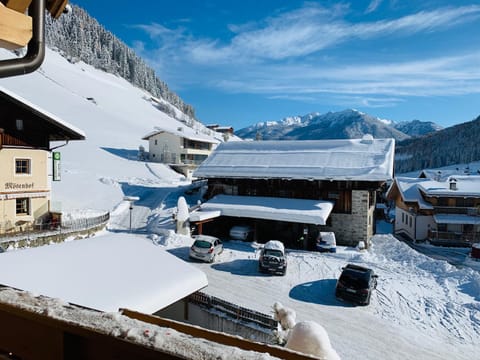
x: 273, y: 252
x: 202, y: 244
x: 354, y: 279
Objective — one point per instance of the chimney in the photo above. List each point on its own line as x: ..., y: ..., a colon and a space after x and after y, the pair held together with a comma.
x: 453, y: 184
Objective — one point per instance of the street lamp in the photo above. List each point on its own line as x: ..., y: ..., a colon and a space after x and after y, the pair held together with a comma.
x: 131, y: 199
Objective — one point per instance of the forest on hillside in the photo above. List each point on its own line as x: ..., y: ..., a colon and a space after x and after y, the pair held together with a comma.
x: 79, y: 37
x: 458, y: 144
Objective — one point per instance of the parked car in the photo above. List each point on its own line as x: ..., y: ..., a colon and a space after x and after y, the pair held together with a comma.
x: 272, y: 258
x: 241, y: 232
x: 356, y: 284
x: 326, y: 242
x: 205, y: 248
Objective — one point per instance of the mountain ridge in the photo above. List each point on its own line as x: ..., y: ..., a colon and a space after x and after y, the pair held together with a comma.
x: 348, y: 123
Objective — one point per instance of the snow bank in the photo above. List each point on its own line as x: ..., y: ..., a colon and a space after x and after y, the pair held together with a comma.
x: 307, y: 337
x: 311, y: 338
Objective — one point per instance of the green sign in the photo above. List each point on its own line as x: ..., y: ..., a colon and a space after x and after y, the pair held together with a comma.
x: 56, y: 166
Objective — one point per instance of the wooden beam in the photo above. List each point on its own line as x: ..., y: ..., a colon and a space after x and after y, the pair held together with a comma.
x: 18, y: 5
x: 219, y: 337
x: 56, y: 7
x: 15, y: 28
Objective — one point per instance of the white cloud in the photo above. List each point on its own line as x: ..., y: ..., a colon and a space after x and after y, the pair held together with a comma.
x: 284, y: 56
x: 313, y: 28
x: 374, y: 4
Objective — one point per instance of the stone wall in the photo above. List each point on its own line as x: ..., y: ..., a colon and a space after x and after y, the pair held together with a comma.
x: 351, y: 228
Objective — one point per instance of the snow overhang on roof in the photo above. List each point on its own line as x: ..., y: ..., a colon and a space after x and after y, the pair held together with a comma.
x: 409, y: 191
x: 346, y: 159
x: 466, y: 186
x: 103, y: 273
x: 184, y: 132
x: 456, y: 219
x: 281, y: 209
x: 61, y: 130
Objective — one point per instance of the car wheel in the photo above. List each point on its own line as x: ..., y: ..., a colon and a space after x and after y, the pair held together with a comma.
x: 212, y: 260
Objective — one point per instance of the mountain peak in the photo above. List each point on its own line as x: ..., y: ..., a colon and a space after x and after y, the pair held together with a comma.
x: 347, y: 123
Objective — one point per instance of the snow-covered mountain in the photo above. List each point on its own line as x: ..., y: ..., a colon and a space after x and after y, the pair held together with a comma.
x: 347, y: 124
x: 416, y: 128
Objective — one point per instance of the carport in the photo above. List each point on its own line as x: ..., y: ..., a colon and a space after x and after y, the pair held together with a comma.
x: 300, y: 212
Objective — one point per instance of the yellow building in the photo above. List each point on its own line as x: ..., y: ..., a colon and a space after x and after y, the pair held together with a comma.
x: 26, y: 165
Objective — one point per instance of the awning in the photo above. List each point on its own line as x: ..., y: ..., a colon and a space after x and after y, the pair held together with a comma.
x: 269, y: 208
x: 456, y: 219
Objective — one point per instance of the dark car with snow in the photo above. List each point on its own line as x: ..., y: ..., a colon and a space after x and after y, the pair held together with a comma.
x: 356, y: 284
x: 272, y: 258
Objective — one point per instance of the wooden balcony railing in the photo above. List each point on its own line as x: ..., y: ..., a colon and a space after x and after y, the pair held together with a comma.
x: 472, y: 211
x: 452, y: 236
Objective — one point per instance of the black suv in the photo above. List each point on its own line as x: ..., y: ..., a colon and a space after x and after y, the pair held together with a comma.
x: 272, y: 258
x: 356, y: 284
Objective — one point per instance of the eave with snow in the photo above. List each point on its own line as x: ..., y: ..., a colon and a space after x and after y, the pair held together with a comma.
x: 441, y: 210
x: 26, y: 133
x: 271, y: 183
x: 138, y: 275
x: 183, y: 148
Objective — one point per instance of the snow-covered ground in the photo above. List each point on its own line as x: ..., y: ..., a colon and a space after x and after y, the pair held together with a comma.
x: 422, y: 309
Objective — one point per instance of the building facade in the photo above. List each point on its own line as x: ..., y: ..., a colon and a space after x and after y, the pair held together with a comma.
x: 442, y: 211
x: 344, y: 173
x: 26, y: 161
x: 183, y: 149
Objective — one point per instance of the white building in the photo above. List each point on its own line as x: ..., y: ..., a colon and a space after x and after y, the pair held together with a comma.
x: 441, y: 210
x: 182, y: 148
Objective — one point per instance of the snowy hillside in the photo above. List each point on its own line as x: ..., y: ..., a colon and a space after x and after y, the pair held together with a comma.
x: 346, y: 124
x: 114, y: 115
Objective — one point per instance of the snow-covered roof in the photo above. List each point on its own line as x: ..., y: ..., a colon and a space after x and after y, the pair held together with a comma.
x: 183, y: 132
x: 444, y: 174
x: 345, y: 159
x: 74, y: 133
x: 204, y: 215
x: 466, y: 186
x: 106, y: 273
x: 269, y: 208
x: 456, y: 219
x: 408, y: 188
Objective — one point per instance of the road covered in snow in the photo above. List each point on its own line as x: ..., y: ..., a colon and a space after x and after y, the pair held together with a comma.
x: 422, y: 308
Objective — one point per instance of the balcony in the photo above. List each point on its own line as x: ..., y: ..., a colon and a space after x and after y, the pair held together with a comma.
x: 471, y: 211
x: 453, y: 238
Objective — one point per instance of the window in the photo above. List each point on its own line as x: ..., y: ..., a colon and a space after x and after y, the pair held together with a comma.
x: 23, y: 206
x: 22, y: 166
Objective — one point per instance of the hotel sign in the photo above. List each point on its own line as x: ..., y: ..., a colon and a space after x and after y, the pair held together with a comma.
x: 18, y: 186
x: 56, y: 166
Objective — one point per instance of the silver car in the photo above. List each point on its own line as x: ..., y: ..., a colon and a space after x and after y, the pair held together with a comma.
x: 241, y: 232
x: 205, y: 248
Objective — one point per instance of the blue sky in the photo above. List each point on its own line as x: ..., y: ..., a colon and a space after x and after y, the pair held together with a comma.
x: 242, y: 62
